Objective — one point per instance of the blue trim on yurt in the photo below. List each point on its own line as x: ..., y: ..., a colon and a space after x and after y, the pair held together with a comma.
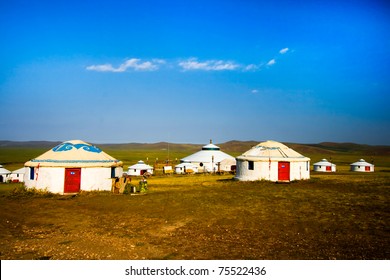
x: 64, y: 147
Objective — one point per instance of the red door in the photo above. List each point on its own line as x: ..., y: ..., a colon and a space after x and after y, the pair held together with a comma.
x: 367, y: 168
x: 72, y: 180
x: 283, y: 171
x: 329, y: 168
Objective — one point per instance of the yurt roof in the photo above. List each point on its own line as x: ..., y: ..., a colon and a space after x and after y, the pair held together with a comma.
x: 3, y: 170
x: 140, y: 165
x: 324, y: 162
x: 362, y: 162
x: 210, y: 147
x: 74, y: 153
x: 185, y: 164
x: 231, y: 161
x: 19, y: 171
x: 206, y: 155
x: 272, y: 150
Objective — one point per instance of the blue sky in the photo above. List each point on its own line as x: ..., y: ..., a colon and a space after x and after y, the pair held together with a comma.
x: 190, y: 71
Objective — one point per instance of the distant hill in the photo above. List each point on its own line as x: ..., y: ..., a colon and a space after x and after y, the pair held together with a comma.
x: 28, y: 144
x: 150, y: 146
x: 353, y: 148
x: 234, y: 147
x: 13, y: 154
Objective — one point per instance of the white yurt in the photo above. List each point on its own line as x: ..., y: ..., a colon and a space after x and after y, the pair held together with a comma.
x: 4, y: 174
x: 324, y: 166
x: 362, y: 166
x: 17, y: 175
x: 272, y: 161
x: 185, y: 167
x: 71, y: 167
x: 139, y: 169
x: 227, y: 165
x: 209, y: 158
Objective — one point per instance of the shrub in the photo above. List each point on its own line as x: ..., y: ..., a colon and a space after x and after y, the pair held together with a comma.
x: 128, y: 189
x: 23, y: 191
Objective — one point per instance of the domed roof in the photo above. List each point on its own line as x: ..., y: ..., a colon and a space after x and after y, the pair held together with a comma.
x: 3, y: 170
x: 209, y: 153
x: 362, y: 162
x: 323, y: 162
x: 185, y: 164
x: 271, y: 150
x: 140, y: 165
x: 74, y: 153
x: 211, y: 147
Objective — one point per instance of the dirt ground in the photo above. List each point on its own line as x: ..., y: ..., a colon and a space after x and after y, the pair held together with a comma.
x: 212, y: 217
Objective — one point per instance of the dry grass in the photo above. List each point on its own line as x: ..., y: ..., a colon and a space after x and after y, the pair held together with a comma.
x: 331, y: 216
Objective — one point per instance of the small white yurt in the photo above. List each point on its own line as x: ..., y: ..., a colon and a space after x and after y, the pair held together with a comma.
x: 362, y: 166
x: 4, y: 174
x: 185, y: 167
x: 17, y: 175
x: 227, y: 165
x: 208, y: 159
x: 71, y: 167
x: 324, y: 166
x: 139, y: 169
x: 272, y: 161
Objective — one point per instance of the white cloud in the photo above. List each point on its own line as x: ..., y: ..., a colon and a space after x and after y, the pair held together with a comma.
x: 251, y: 67
x: 283, y: 51
x: 271, y: 62
x: 101, y: 68
x: 254, y: 91
x: 159, y: 61
x: 189, y: 64
x: 133, y: 63
x: 208, y: 65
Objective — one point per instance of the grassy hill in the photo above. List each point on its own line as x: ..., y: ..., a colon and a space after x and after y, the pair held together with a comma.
x: 14, y: 154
